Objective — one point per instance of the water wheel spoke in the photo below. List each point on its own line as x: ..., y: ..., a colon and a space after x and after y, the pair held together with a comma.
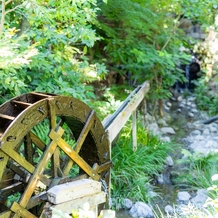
x: 21, y: 211
x: 37, y: 141
x: 85, y: 131
x: 18, y: 158
x: 73, y: 155
x: 56, y: 156
x: 39, y: 170
x: 90, y: 120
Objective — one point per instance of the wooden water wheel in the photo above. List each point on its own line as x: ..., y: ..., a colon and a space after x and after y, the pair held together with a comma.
x: 45, y: 140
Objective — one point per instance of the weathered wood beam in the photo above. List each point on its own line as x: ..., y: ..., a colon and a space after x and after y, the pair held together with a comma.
x: 122, y: 117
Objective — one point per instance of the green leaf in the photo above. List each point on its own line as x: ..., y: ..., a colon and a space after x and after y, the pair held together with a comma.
x: 7, y: 80
x: 85, y: 50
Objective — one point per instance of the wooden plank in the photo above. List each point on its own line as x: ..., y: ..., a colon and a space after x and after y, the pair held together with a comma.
x: 21, y: 104
x: 73, y: 190
x: 134, y: 130
x: 7, y: 117
x: 13, y: 188
x: 92, y: 200
x: 41, y: 95
x: 117, y: 124
x: 103, y: 167
x: 21, y: 212
x: 5, y: 214
x: 73, y: 155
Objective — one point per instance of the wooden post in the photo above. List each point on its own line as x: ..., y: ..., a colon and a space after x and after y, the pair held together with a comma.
x: 134, y: 130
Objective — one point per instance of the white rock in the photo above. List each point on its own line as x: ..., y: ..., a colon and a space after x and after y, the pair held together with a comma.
x: 169, y: 161
x: 183, y: 196
x: 167, y: 130
x: 165, y: 139
x: 180, y: 98
x: 213, y: 129
x: 169, y: 104
x: 199, y: 137
x: 196, y: 132
x: 141, y: 209
x: 160, y: 179
x: 206, y: 132
x: 127, y: 203
x: 153, y: 127
x: 199, y: 200
x: 194, y: 111
x: 190, y: 114
x: 169, y: 209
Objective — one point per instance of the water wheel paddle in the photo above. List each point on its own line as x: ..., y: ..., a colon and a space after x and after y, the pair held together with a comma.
x: 46, y: 140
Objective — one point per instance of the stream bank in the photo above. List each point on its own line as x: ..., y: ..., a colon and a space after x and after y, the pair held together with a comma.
x: 181, y: 124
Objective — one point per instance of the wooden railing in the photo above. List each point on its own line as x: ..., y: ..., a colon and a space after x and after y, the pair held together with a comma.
x: 115, y: 122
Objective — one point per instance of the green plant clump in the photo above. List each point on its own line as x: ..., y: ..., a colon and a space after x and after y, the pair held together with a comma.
x: 133, y: 170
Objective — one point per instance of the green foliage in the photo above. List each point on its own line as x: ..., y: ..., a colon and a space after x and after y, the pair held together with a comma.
x: 200, y: 169
x: 144, y: 39
x: 206, y: 99
x: 58, y: 39
x: 133, y: 170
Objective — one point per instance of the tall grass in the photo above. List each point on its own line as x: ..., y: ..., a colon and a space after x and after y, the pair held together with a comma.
x: 133, y: 170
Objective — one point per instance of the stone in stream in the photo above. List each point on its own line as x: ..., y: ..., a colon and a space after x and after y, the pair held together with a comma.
x: 183, y: 196
x: 169, y: 161
x: 141, y: 209
x: 167, y: 130
x: 200, y: 198
x: 127, y: 203
x: 169, y: 209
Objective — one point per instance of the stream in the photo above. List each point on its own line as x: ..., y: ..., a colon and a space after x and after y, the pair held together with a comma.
x: 167, y: 190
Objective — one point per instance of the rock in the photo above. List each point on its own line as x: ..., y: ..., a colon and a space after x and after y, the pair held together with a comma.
x: 180, y: 98
x: 199, y: 137
x: 181, y: 105
x: 183, y: 196
x: 167, y: 108
x: 213, y: 129
x: 162, y: 122
x: 196, y: 132
x: 169, y: 161
x: 165, y: 139
x: 199, y: 199
x: 194, y: 111
x: 169, y: 104
x: 206, y: 132
x: 169, y: 209
x: 141, y: 209
x: 153, y: 127
x: 160, y: 179
x: 190, y: 114
x: 179, y: 110
x: 127, y: 203
x: 167, y: 130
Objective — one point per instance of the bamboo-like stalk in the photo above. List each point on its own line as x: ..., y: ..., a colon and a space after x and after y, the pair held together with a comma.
x: 3, y: 16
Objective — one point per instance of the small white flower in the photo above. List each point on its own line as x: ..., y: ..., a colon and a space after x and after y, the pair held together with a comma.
x: 214, y: 177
